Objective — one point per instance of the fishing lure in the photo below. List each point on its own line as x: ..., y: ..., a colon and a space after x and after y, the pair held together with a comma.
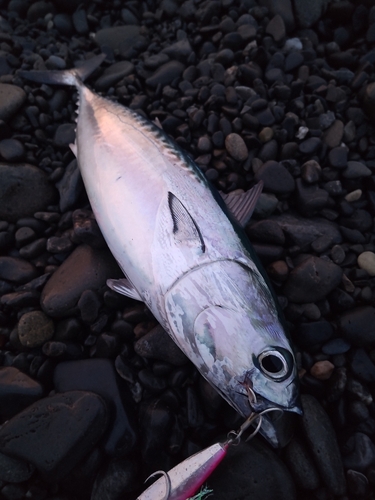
x: 183, y: 250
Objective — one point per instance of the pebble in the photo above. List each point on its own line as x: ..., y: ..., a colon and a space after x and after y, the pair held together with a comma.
x: 267, y: 231
x: 16, y: 270
x: 362, y: 366
x: 322, y: 370
x: 361, y: 452
x: 355, y: 170
x: 70, y: 187
x: 366, y: 261
x: 127, y: 40
x: 276, y: 28
x: 312, y: 280
x: 17, y: 392
x: 336, y: 346
x: 301, y: 465
x: 65, y: 135
x: 320, y: 435
x: 13, y: 470
x: 11, y: 150
x: 73, y: 423
x: 236, y: 147
x: 157, y: 344
x: 358, y: 326
x: 311, y: 172
x: 115, y: 479
x: 84, y: 269
x: 165, y: 74
x: 333, y: 135
x: 35, y: 328
x: 24, y: 190
x: 86, y: 229
x: 12, y: 99
x: 241, y: 474
x: 276, y: 177
x: 113, y: 74
x: 311, y: 198
x: 98, y: 376
x: 338, y: 157
x: 312, y: 334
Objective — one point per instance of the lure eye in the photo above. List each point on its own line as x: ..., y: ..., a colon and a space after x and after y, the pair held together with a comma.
x: 274, y: 365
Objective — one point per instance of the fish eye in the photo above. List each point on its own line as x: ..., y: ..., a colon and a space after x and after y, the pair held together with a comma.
x: 274, y: 364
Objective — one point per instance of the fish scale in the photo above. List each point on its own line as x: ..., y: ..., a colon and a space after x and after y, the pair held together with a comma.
x: 183, y: 252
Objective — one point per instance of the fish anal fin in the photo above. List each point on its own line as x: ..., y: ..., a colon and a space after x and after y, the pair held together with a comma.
x: 73, y: 148
x: 185, y: 229
x: 242, y: 205
x: 124, y: 287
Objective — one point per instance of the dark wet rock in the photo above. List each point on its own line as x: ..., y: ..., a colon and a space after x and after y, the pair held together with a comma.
x: 362, y: 366
x: 11, y: 150
x: 84, y: 269
x: 311, y: 199
x: 338, y: 157
x: 333, y: 135
x: 308, y: 13
x: 267, y: 231
x: 241, y: 476
x: 17, y: 391
x: 13, y: 470
x: 236, y: 147
x: 276, y: 28
x: 64, y: 24
x: 276, y: 177
x: 369, y: 100
x: 55, y: 433
x: 312, y: 280
x: 358, y: 326
x: 127, y: 40
x: 98, y: 376
x: 38, y: 10
x: 24, y: 190
x: 70, y: 186
x: 310, y: 146
x: 301, y: 465
x: 89, y: 305
x: 356, y: 169
x: 11, y: 100
x: 311, y: 172
x: 35, y: 328
x: 157, y: 344
x: 57, y: 244
x: 80, y: 22
x: 321, y: 438
x: 179, y: 50
x: 336, y: 346
x: 65, y: 135
x: 360, y: 452
x: 357, y: 482
x: 165, y: 74
x: 113, y: 74
x: 303, y: 232
x: 86, y: 229
x: 283, y: 8
x: 16, y: 270
x: 312, y: 334
x: 116, y: 479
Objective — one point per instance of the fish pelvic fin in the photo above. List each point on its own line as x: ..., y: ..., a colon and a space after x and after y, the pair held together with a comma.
x: 73, y: 77
x: 124, y: 287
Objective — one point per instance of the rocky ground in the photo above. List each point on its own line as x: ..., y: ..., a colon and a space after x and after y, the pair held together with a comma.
x: 93, y: 394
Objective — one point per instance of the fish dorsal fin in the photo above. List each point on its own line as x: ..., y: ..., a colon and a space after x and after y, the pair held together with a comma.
x: 124, y: 287
x: 242, y: 205
x: 185, y: 229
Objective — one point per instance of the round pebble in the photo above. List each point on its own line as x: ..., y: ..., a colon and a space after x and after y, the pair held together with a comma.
x: 35, y: 328
x: 366, y: 261
x: 236, y: 147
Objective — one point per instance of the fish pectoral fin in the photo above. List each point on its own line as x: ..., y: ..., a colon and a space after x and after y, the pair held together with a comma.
x: 124, y: 287
x: 242, y: 205
x: 185, y: 229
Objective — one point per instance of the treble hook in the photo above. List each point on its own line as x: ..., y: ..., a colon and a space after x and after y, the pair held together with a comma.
x: 234, y: 437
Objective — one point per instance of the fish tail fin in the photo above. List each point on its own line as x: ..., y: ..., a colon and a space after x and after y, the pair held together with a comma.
x: 74, y: 76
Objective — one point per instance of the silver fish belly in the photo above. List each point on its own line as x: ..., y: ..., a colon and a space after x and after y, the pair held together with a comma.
x: 182, y: 253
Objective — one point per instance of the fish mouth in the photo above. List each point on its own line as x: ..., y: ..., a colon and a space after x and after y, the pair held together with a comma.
x: 261, y: 403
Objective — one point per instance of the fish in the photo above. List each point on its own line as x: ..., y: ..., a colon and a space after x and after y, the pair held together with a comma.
x: 183, y: 250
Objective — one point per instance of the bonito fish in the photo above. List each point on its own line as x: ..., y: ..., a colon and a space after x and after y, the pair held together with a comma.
x: 182, y: 250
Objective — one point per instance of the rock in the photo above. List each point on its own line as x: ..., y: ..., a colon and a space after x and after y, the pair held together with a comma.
x: 303, y: 232
x: 35, y: 328
x: 310, y: 197
x: 179, y: 50
x: 308, y: 13
x: 241, y: 475
x: 13, y: 470
x: 55, y: 433
x: 266, y: 205
x: 369, y: 100
x: 127, y: 40
x: 366, y: 261
x: 276, y: 28
x: 358, y: 326
x: 157, y: 344
x: 356, y: 169
x: 276, y: 177
x: 113, y: 74
x: 165, y: 74
x: 312, y: 334
x: 310, y: 146
x: 236, y: 147
x: 11, y: 150
x: 333, y: 135
x: 362, y: 366
x: 86, y: 229
x: 11, y: 100
x: 312, y: 280
x: 283, y: 8
x: 65, y: 135
x: 267, y: 231
x: 117, y: 479
x: 336, y: 346
x: 84, y: 269
x: 70, y: 186
x: 322, y: 370
x: 338, y: 157
x: 98, y: 376
x: 301, y: 465
x: 16, y: 270
x: 17, y: 391
x: 362, y: 452
x: 311, y: 172
x: 24, y: 190
x: 321, y: 438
